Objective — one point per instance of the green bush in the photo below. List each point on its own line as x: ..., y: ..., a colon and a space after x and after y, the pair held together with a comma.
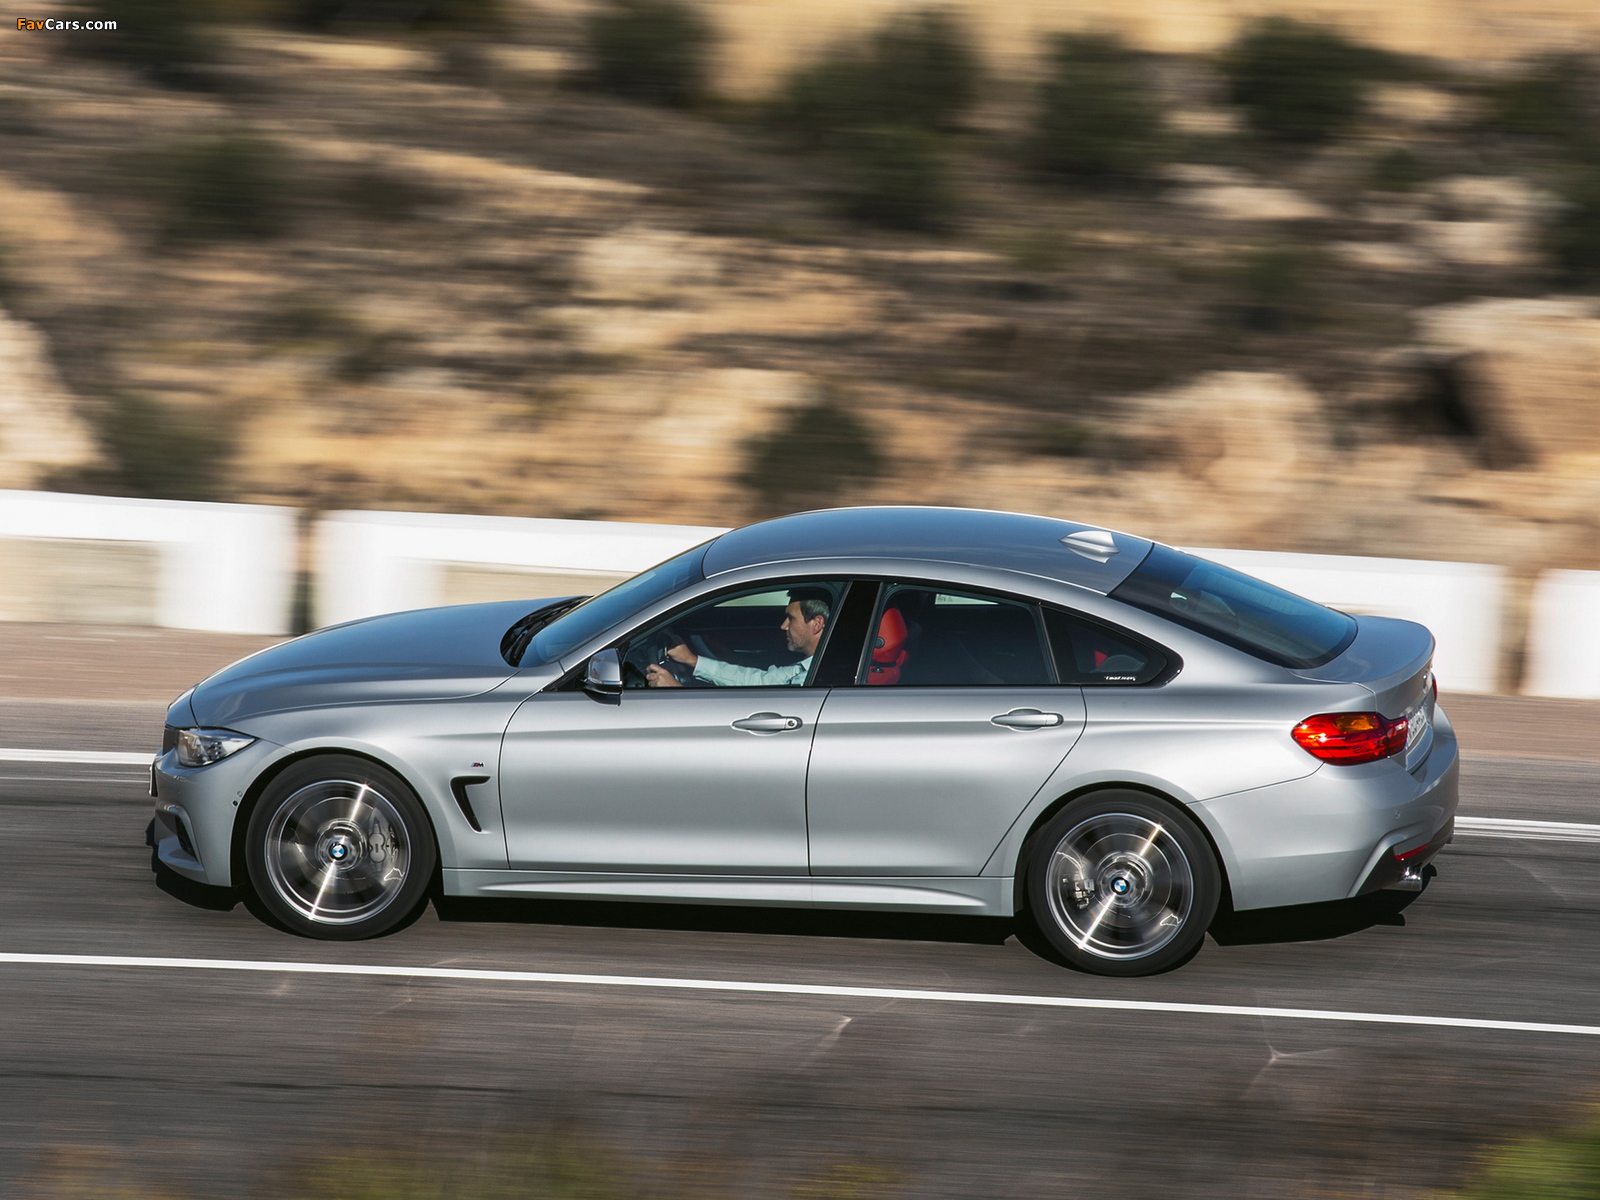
x: 1397, y: 170
x: 894, y: 176
x: 1555, y: 97
x: 1565, y: 1166
x: 925, y: 73
x: 1274, y: 286
x: 818, y: 452
x: 1095, y: 118
x: 655, y: 51
x: 1573, y: 237
x: 1298, y: 82
x: 916, y: 71
x: 151, y: 450
x: 168, y: 40
x: 879, y: 111
x: 232, y: 185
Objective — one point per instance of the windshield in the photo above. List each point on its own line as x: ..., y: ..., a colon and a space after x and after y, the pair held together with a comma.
x: 1237, y: 609
x: 599, y: 613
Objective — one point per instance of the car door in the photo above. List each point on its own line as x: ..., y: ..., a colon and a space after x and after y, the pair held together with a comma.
x: 686, y: 777
x: 955, y: 722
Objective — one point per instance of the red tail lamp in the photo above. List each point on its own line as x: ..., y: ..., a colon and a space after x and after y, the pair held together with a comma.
x: 1350, y: 738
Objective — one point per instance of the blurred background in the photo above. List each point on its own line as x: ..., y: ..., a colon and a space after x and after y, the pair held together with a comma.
x: 1296, y: 277
x: 1305, y: 276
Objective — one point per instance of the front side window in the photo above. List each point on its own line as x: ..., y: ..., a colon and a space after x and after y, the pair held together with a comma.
x: 932, y: 637
x: 770, y: 636
x: 599, y: 613
x: 1090, y: 654
x: 1236, y: 609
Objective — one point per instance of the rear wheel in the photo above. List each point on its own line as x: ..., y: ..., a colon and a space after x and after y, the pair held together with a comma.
x: 340, y: 848
x: 1122, y: 883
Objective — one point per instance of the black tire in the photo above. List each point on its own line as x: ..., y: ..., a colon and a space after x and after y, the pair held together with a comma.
x: 1123, y: 883
x: 340, y: 848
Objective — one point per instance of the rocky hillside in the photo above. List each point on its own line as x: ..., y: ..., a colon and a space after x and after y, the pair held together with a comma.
x: 454, y: 277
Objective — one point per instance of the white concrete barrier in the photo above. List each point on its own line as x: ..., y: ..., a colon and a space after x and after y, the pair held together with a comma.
x: 1563, y: 649
x: 376, y: 562
x: 1461, y: 603
x: 228, y: 568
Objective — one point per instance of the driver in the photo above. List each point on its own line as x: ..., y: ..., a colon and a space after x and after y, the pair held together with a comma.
x: 803, y: 622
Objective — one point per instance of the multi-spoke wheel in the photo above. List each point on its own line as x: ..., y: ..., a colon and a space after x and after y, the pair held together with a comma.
x: 340, y: 848
x: 1122, y: 883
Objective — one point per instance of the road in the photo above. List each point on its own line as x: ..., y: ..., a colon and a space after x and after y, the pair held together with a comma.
x: 173, y: 1082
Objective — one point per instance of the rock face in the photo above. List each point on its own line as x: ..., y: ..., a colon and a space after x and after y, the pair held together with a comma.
x: 640, y: 265
x: 1538, y: 366
x: 39, y: 431
x: 1241, y: 431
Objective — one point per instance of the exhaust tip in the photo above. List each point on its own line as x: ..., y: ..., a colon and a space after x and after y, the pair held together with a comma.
x: 1411, y: 880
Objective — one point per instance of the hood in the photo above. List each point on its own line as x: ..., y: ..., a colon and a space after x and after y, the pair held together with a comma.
x: 428, y: 654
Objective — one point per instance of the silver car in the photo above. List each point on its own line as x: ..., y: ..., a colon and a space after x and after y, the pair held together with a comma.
x: 920, y: 709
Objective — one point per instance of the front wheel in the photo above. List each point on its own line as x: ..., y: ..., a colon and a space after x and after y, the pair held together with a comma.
x: 1122, y: 883
x: 340, y: 848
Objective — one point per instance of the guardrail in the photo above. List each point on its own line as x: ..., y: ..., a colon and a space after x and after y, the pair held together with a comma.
x: 226, y: 568
x: 231, y: 568
x: 375, y: 562
x: 1563, y: 649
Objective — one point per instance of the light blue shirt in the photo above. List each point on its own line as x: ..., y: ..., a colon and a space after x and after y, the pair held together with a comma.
x: 730, y: 675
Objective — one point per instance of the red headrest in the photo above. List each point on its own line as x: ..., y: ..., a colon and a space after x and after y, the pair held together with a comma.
x: 888, y: 649
x: 889, y: 646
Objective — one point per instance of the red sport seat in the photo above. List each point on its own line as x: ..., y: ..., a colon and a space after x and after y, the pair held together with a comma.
x: 888, y: 649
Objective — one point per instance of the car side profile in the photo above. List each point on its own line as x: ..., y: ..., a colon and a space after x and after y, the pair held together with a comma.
x: 896, y: 708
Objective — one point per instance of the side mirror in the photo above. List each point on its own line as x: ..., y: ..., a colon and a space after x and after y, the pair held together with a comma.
x: 603, y: 678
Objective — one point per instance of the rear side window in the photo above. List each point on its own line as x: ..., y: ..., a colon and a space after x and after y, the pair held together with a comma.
x: 1095, y: 655
x: 1236, y: 609
x: 929, y: 637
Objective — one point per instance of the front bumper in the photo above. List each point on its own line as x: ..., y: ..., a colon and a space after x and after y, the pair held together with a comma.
x: 196, y: 808
x: 1333, y: 834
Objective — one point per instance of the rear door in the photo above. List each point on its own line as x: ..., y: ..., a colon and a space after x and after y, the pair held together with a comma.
x: 954, y: 722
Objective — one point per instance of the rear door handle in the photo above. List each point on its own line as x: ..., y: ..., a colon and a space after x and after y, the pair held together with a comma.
x: 767, y: 722
x: 1027, y: 718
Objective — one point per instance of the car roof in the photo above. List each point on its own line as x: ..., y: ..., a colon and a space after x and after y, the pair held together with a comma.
x: 978, y: 537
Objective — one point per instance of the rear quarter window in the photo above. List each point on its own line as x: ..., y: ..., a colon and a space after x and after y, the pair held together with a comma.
x: 1236, y: 609
x: 1090, y: 654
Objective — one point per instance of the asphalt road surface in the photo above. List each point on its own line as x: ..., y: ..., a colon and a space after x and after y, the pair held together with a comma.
x: 147, y: 1081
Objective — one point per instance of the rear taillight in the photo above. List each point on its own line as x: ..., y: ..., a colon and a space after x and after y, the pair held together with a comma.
x: 1433, y: 682
x: 1351, y: 738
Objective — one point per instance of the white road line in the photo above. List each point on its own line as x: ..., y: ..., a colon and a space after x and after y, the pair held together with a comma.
x: 1542, y: 831
x: 107, y: 758
x: 788, y: 989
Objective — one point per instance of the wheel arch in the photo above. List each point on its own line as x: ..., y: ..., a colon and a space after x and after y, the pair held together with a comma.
x: 264, y: 780
x: 1019, y: 895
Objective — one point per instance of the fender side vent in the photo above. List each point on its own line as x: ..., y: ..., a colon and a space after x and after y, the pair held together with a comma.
x: 458, y: 789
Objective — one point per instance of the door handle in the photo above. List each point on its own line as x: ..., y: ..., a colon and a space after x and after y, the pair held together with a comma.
x: 1027, y: 718
x: 767, y: 722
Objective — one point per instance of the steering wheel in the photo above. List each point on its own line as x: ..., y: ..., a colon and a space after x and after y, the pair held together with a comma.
x: 682, y: 672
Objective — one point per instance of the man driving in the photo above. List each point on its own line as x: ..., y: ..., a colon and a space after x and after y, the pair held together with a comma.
x: 803, y: 622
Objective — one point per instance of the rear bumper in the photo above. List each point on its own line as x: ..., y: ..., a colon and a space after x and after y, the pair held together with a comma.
x: 1335, y: 833
x: 1400, y: 866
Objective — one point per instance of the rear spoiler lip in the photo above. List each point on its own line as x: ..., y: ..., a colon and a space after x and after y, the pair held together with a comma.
x: 1386, y: 653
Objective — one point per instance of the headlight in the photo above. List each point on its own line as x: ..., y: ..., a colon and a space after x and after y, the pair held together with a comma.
x: 200, y: 747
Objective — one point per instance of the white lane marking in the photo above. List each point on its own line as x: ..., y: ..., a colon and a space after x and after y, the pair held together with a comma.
x: 1542, y: 831
x: 109, y: 758
x: 788, y: 989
